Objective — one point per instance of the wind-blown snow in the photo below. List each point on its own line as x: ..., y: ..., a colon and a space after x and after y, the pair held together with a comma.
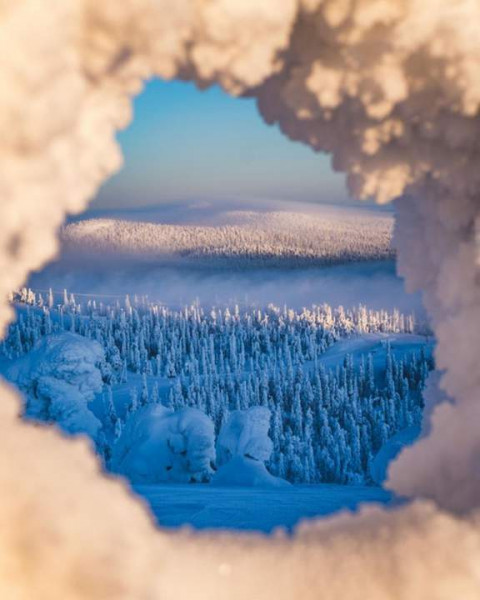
x: 392, y: 90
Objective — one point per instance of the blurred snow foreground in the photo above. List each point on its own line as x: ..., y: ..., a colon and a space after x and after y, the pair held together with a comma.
x: 392, y: 90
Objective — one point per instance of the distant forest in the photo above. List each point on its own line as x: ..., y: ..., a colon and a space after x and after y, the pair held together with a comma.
x: 275, y: 239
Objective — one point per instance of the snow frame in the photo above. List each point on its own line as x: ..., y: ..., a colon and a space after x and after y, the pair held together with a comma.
x: 406, y: 75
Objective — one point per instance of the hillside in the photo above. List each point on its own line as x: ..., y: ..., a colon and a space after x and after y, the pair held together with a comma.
x: 278, y: 236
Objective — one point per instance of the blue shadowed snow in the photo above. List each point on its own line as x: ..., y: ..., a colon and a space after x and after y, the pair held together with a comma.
x: 179, y: 274
x: 401, y: 345
x: 250, y: 509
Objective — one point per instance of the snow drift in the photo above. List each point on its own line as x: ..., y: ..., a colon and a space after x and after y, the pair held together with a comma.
x: 158, y: 445
x: 390, y: 88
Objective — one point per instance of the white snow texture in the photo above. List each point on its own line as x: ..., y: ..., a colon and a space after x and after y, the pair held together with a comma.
x: 243, y: 447
x: 159, y: 445
x: 392, y: 89
x: 247, y: 472
x: 245, y: 433
x: 252, y: 238
x: 59, y: 378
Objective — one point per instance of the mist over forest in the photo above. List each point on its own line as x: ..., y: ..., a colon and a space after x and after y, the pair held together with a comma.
x: 325, y: 260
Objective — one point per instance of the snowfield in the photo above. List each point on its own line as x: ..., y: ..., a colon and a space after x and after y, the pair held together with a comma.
x: 253, y: 509
x: 242, y: 471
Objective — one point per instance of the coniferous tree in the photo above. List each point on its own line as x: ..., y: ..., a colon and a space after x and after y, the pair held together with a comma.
x: 133, y: 406
x: 144, y: 396
x: 109, y: 406
x: 326, y: 424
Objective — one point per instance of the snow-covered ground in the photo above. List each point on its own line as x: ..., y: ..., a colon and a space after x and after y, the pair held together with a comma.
x: 203, y: 507
x: 401, y: 344
x: 390, y: 450
x: 234, y: 211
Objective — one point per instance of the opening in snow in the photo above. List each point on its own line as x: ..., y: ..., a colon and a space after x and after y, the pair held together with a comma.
x: 391, y: 90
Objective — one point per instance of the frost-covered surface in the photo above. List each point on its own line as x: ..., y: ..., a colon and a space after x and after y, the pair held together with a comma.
x: 392, y: 90
x: 60, y: 377
x: 158, y: 445
x: 245, y: 434
x: 243, y: 239
x: 243, y: 447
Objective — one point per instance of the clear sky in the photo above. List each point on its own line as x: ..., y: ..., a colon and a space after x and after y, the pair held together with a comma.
x: 188, y: 144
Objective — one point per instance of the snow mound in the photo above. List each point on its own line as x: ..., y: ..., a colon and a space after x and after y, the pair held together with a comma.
x: 243, y: 446
x: 158, y: 445
x: 246, y: 472
x: 59, y: 378
x: 245, y: 433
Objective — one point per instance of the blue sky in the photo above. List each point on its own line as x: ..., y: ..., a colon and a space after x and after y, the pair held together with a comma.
x: 188, y: 144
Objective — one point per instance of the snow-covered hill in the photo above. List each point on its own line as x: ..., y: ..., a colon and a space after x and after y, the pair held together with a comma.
x: 233, y: 252
x: 293, y: 236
